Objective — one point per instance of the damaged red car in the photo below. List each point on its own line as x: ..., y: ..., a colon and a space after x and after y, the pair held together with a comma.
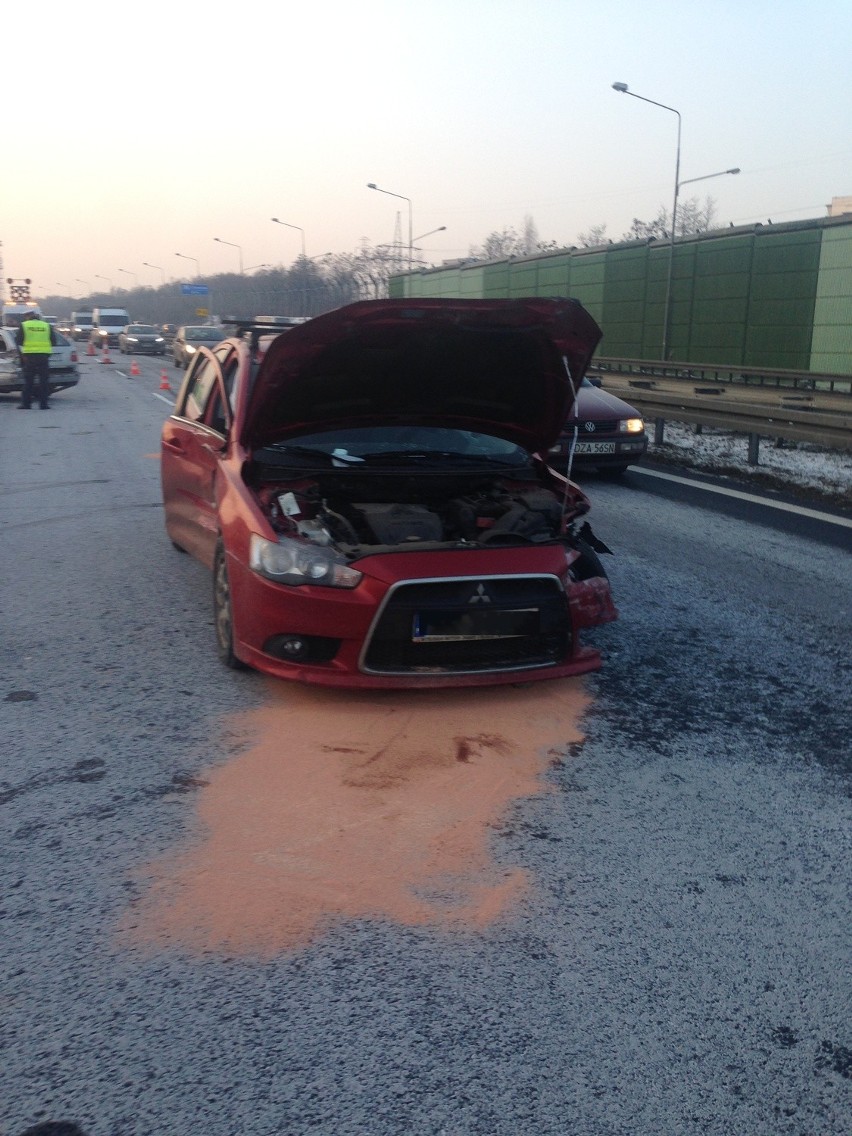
x: 367, y: 490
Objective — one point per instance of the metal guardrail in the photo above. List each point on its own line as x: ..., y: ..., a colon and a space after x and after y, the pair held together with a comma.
x: 716, y: 373
x: 794, y: 409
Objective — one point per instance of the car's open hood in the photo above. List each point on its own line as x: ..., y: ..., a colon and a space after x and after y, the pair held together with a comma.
x: 501, y: 367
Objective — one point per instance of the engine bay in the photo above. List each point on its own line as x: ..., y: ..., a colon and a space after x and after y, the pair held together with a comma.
x: 358, y: 513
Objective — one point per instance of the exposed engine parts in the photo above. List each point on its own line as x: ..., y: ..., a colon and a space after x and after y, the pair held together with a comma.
x: 494, y: 512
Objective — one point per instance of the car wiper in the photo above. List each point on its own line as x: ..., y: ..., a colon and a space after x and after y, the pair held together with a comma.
x: 441, y: 457
x: 283, y: 450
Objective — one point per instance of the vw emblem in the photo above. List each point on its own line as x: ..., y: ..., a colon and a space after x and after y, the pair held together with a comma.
x: 589, y: 427
x: 480, y: 595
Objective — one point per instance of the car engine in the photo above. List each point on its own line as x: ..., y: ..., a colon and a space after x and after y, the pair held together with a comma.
x: 355, y: 515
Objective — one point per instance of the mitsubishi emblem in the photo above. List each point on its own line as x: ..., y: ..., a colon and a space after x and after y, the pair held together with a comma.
x: 480, y: 595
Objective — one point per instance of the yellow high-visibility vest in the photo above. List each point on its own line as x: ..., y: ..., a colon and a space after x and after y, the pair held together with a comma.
x: 36, y: 337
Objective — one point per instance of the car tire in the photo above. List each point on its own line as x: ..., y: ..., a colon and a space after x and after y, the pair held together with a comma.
x: 222, y: 614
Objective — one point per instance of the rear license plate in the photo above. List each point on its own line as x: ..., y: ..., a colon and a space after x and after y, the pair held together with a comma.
x: 595, y: 448
x: 458, y: 626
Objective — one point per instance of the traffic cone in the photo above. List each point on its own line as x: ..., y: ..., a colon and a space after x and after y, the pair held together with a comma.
x: 90, y: 350
x: 105, y: 356
x: 164, y: 381
x: 134, y: 368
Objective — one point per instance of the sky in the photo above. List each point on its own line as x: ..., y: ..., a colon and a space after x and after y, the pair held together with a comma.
x: 148, y: 131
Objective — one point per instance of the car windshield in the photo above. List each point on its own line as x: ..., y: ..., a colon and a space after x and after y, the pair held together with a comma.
x: 142, y: 329
x: 113, y: 321
x: 418, y: 445
x: 194, y: 334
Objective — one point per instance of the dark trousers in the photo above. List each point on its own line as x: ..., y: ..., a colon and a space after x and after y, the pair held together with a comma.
x: 36, y: 377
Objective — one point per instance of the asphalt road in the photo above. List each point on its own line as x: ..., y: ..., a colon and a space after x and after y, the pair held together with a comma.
x: 647, y: 930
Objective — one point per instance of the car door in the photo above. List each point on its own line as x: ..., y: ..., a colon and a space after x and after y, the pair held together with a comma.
x: 194, y: 441
x: 10, y: 371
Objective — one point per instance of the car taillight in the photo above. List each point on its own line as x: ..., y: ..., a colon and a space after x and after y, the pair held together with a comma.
x: 74, y: 357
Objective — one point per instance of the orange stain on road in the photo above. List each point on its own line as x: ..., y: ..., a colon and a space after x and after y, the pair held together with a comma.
x: 356, y: 806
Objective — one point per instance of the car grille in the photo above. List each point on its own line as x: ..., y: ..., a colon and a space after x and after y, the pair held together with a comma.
x: 470, y: 625
x: 595, y: 427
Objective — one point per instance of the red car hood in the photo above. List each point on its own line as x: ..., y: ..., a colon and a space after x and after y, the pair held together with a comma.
x: 499, y: 367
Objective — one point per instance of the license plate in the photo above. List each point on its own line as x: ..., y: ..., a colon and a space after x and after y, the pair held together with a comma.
x: 595, y: 448
x: 459, y: 626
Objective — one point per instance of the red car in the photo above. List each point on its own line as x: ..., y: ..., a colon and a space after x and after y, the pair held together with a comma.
x: 366, y: 489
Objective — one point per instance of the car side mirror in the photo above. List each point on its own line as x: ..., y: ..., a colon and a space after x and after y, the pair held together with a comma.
x: 596, y: 382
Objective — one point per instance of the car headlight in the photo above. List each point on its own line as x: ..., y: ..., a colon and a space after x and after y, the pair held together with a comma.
x: 631, y: 426
x: 295, y: 562
x: 190, y: 350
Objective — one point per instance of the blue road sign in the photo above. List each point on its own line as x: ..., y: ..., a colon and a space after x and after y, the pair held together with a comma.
x: 194, y: 290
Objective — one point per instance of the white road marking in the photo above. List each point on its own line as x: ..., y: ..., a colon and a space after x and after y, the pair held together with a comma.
x: 799, y: 510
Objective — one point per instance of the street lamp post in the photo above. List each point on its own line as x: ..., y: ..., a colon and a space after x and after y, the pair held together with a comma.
x: 98, y: 277
x: 372, y: 185
x: 440, y: 229
x: 77, y: 280
x: 133, y: 274
x: 237, y: 247
x: 623, y: 89
x: 704, y: 177
x: 252, y: 267
x: 287, y: 225
x: 185, y: 257
x: 157, y: 266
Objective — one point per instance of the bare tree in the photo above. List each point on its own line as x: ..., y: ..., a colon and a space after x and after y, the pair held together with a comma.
x: 509, y: 242
x: 592, y: 237
x: 692, y: 217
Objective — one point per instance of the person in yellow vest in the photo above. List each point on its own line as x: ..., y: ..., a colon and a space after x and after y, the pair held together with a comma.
x: 35, y: 339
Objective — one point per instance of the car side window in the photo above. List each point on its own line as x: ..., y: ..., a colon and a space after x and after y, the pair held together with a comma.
x: 216, y: 416
x: 201, y: 382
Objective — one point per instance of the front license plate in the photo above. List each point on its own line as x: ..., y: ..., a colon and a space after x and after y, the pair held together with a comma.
x: 458, y: 626
x: 595, y: 448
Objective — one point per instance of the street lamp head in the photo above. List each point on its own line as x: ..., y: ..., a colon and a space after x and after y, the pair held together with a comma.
x: 735, y: 170
x: 620, y: 87
x: 371, y: 185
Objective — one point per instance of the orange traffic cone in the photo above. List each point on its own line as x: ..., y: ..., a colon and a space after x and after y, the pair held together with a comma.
x: 105, y: 356
x: 134, y: 368
x: 90, y: 350
x: 164, y: 381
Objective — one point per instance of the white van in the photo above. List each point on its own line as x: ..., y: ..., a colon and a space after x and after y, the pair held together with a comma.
x: 81, y: 324
x: 15, y: 314
x: 107, y: 325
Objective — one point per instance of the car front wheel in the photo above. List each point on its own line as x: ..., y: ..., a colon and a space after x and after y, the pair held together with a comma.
x: 222, y: 615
